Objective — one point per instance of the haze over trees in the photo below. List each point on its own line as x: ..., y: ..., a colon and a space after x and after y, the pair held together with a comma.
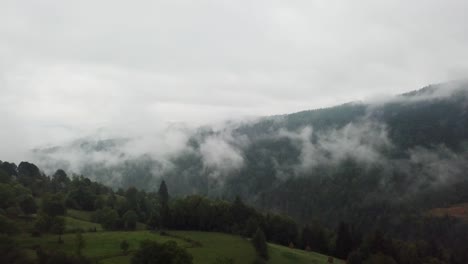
x: 335, y: 181
x: 428, y: 238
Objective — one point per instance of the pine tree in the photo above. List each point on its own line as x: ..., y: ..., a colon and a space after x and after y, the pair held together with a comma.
x: 164, y: 203
x: 260, y: 245
x: 344, y: 242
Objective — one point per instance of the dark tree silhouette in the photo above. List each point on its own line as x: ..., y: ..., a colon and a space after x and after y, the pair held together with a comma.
x: 164, y: 205
x: 344, y: 242
x: 260, y: 245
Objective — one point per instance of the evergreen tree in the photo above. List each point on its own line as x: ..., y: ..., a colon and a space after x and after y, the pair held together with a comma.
x: 344, y: 242
x: 164, y: 204
x: 260, y: 245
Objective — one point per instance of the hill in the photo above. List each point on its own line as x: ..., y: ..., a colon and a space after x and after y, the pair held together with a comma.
x: 51, y: 219
x: 343, y: 162
x: 208, y: 248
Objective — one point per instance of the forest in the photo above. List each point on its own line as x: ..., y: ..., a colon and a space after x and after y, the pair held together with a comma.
x: 35, y: 204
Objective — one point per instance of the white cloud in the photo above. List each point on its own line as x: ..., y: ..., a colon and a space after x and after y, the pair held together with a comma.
x: 362, y: 141
x: 69, y: 68
x: 220, y: 155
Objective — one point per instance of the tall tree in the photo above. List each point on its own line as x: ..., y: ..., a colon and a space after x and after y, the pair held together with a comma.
x: 260, y: 245
x: 58, y: 227
x: 164, y: 204
x: 130, y: 219
x: 344, y: 242
x: 53, y: 205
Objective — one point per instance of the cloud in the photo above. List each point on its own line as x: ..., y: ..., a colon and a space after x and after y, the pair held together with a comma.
x: 439, y: 165
x: 220, y: 155
x: 67, y: 69
x: 363, y: 141
x: 428, y: 93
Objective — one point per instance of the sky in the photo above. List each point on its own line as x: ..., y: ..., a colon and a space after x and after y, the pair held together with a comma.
x: 74, y: 68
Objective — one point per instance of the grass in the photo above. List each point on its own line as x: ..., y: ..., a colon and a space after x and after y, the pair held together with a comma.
x: 98, y: 244
x: 204, y: 246
x: 280, y: 254
x: 80, y: 215
x: 73, y: 224
x: 216, y: 245
x: 85, y: 218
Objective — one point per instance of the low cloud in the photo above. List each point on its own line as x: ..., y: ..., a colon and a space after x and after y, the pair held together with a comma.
x: 220, y: 155
x: 363, y: 141
x: 439, y: 165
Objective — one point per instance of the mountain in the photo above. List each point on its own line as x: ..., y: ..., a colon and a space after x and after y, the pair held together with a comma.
x: 361, y: 161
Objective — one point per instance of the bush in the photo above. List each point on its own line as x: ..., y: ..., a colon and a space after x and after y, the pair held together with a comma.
x: 152, y: 252
x: 124, y: 246
x: 7, y: 226
x: 51, y: 257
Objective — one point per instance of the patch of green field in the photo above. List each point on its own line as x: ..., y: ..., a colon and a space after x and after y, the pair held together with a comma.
x: 281, y: 254
x: 205, y: 247
x: 216, y: 245
x: 81, y: 215
x: 98, y: 245
x: 73, y: 224
x: 117, y: 260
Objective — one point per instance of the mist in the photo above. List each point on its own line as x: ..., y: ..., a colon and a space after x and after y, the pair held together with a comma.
x: 70, y: 71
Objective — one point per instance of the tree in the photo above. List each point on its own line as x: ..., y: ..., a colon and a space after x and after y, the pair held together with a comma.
x: 53, y: 205
x: 260, y: 245
x: 380, y: 259
x: 4, y: 176
x: 240, y: 212
x: 355, y: 257
x: 10, y: 251
x: 163, y: 193
x: 9, y: 168
x: 7, y: 196
x: 154, y: 220
x: 28, y: 205
x: 314, y: 237
x: 7, y: 226
x: 124, y: 246
x: 81, y: 197
x: 58, y: 227
x: 107, y: 217
x: 130, y: 219
x: 60, y: 181
x: 164, y: 202
x: 152, y: 252
x: 344, y: 242
x: 80, y: 243
x: 30, y: 176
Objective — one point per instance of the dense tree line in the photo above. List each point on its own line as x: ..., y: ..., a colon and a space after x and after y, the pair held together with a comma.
x: 414, y: 239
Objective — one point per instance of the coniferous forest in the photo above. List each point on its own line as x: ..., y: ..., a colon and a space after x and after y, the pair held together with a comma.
x: 233, y: 132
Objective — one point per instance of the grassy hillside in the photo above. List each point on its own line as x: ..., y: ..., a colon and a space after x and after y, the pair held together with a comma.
x: 205, y: 247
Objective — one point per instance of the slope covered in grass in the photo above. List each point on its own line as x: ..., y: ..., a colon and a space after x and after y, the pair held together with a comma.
x: 205, y: 247
x: 73, y: 224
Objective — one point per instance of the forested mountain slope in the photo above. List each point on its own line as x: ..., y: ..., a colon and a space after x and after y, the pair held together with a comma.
x: 361, y: 161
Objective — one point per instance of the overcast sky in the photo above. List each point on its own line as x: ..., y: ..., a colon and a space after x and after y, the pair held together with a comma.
x: 70, y: 68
